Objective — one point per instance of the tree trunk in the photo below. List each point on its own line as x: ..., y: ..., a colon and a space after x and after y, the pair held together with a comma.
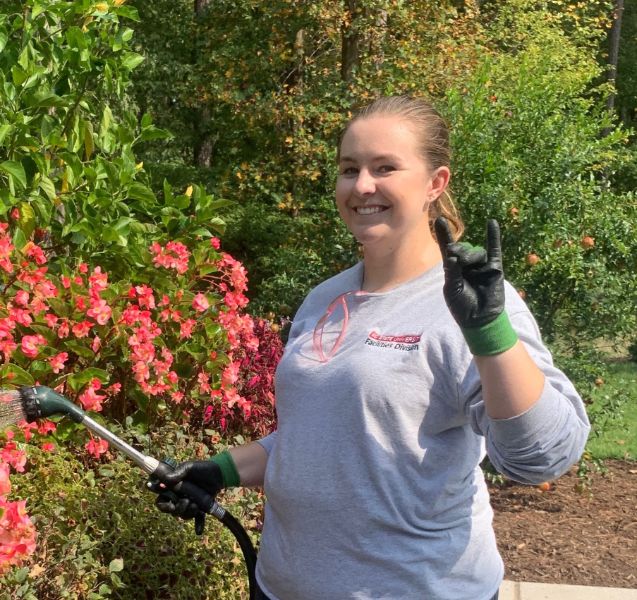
x: 377, y: 40
x: 203, y: 145
x: 613, y: 54
x: 350, y: 40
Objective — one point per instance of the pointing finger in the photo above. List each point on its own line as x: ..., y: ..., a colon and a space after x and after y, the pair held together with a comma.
x: 443, y: 233
x: 494, y: 249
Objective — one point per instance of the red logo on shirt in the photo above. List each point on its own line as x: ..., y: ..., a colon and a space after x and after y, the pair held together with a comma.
x: 395, y: 342
x: 398, y: 339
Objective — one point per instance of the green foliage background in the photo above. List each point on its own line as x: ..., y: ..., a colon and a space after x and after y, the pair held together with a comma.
x: 254, y: 95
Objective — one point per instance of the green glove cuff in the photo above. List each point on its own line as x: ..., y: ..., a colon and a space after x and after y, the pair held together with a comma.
x: 228, y: 469
x: 493, y: 338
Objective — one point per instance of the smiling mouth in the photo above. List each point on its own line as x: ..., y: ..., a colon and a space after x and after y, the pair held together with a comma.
x: 369, y: 210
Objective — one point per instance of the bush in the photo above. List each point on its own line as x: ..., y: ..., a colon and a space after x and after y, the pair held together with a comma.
x: 530, y: 151
x: 102, y: 537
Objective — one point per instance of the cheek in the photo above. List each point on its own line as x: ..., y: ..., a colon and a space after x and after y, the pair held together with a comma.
x: 341, y: 194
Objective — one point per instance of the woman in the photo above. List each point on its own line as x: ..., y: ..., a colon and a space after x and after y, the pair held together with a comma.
x: 397, y: 376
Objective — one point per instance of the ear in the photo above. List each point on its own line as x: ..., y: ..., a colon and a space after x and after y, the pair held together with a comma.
x: 439, y: 182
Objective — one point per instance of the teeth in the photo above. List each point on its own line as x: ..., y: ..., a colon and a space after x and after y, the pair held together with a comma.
x: 369, y: 210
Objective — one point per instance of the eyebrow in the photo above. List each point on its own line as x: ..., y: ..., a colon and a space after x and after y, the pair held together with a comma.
x: 390, y: 157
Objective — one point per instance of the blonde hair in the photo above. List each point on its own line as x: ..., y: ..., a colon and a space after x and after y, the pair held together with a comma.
x: 432, y: 133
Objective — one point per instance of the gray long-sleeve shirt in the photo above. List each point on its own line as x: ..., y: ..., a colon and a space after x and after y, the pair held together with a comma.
x: 373, y: 484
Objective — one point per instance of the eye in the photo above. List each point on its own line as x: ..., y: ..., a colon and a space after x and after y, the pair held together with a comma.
x: 349, y: 171
x: 383, y: 169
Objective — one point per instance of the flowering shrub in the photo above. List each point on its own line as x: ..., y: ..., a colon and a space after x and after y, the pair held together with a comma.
x: 175, y: 345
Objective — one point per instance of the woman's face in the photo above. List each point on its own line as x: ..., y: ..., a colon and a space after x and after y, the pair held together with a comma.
x: 384, y: 185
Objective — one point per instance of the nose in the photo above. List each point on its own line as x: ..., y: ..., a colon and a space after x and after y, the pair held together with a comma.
x: 365, y: 183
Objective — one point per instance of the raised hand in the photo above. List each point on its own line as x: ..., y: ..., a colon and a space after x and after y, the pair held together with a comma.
x: 474, y: 289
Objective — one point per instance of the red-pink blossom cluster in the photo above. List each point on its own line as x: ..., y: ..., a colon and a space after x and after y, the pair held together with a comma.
x: 191, y: 345
x: 173, y: 256
x: 17, y: 533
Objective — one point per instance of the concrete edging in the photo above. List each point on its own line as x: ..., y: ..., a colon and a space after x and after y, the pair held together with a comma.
x: 522, y: 590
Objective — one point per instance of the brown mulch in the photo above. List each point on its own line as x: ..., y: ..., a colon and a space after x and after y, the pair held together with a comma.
x: 568, y: 534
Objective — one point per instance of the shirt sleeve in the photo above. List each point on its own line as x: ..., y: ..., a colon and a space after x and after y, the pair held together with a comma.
x: 268, y: 442
x: 546, y: 440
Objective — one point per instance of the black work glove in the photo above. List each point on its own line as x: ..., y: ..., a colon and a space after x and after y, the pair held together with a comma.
x: 188, y: 490
x: 474, y: 290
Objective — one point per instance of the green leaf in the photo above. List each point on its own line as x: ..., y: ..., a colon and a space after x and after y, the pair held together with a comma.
x: 4, y: 131
x: 168, y: 192
x: 105, y: 123
x: 79, y: 349
x: 19, y: 240
x: 15, y: 170
x: 138, y: 191
x: 155, y: 133
x: 89, y: 145
x: 182, y: 201
x: 27, y: 219
x: 78, y: 380
x: 131, y: 60
x: 3, y: 39
x: 15, y: 375
x: 111, y: 234
x: 46, y: 185
x: 116, y: 565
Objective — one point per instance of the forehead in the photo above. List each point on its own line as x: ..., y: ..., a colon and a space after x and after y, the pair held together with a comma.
x: 380, y: 135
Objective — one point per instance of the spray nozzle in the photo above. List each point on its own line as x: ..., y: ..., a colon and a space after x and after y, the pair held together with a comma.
x: 41, y: 401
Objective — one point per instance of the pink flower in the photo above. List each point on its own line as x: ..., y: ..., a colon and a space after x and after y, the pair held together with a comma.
x: 5, y: 482
x: 96, y: 344
x: 230, y: 375
x: 48, y: 446
x: 82, y: 268
x: 35, y: 252
x: 81, y: 329
x: 174, y: 256
x: 185, y: 331
x: 22, y: 298
x: 51, y: 320
x: 57, y: 361
x: 90, y: 399
x: 215, y: 243
x: 17, y: 534
x: 200, y: 303
x: 38, y: 305
x: 27, y: 429
x: 100, y: 311
x: 7, y: 347
x: 13, y: 456
x: 46, y: 289
x: 32, y: 277
x: 115, y: 388
x: 66, y: 281
x: 31, y: 344
x: 141, y: 371
x: 6, y: 248
x: 98, y: 281
x: 20, y: 316
x: 204, y: 382
x: 45, y: 427
x: 145, y: 296
x: 235, y: 300
x: 64, y: 330
x: 96, y: 447
x: 80, y: 303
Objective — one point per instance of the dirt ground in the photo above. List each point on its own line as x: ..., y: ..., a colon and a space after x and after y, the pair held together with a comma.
x: 569, y: 535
